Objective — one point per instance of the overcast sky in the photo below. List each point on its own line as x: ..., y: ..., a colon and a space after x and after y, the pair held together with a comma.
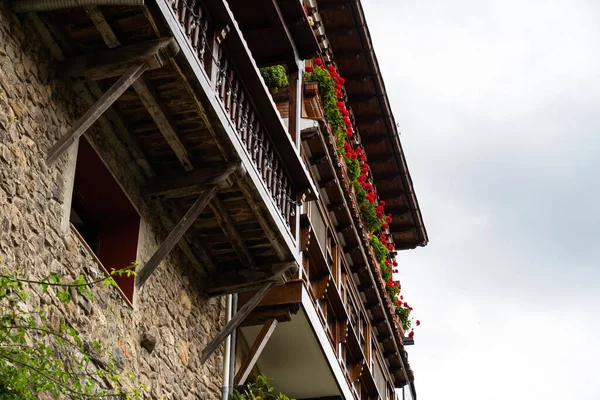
x: 498, y: 103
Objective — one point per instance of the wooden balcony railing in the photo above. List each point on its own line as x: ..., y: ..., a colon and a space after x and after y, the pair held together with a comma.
x: 236, y: 100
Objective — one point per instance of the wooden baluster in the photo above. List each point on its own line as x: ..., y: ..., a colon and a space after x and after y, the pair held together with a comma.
x: 271, y: 174
x: 266, y: 162
x: 196, y: 29
x: 203, y: 43
x: 244, y: 122
x: 251, y: 134
x: 234, y: 104
x: 182, y: 12
x: 175, y: 5
x: 189, y: 18
x: 227, y: 93
x: 284, y: 203
x: 275, y: 179
x: 239, y: 109
x: 260, y: 153
x: 223, y: 78
x: 290, y: 205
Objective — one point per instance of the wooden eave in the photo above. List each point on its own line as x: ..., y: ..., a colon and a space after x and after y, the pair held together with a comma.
x: 277, y: 31
x: 353, y: 53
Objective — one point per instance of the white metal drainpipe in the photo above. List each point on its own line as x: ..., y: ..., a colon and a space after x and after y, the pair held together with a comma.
x: 226, y: 356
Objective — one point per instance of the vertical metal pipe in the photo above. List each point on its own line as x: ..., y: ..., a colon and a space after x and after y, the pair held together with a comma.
x: 226, y: 355
x: 233, y: 337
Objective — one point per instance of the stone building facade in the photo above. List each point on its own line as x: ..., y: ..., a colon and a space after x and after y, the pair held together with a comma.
x: 37, y: 106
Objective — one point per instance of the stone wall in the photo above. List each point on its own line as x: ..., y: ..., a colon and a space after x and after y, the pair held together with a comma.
x: 36, y: 108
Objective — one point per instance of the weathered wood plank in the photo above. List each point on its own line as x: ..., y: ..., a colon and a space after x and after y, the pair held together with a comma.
x: 235, y: 322
x: 175, y: 235
x: 255, y: 351
x: 226, y: 223
x: 232, y: 283
x: 95, y: 111
x: 290, y: 293
x: 22, y: 6
x: 163, y: 120
x: 273, y: 237
x: 113, y: 62
x: 98, y: 19
x: 195, y: 182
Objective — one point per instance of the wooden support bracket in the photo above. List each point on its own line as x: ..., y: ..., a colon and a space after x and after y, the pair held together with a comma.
x: 259, y: 344
x: 175, y: 235
x: 103, y: 103
x: 235, y: 321
x: 113, y: 62
x: 195, y: 182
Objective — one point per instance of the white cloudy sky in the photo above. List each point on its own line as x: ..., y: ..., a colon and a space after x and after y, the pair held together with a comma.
x: 498, y: 103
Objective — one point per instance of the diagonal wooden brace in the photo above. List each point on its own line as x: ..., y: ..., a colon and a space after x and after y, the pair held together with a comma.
x: 259, y: 344
x: 234, y: 322
x: 95, y: 112
x: 175, y: 236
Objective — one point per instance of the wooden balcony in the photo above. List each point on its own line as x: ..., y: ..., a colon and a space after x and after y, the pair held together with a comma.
x: 198, y: 122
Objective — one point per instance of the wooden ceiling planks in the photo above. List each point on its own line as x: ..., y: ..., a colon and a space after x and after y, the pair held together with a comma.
x: 211, y: 241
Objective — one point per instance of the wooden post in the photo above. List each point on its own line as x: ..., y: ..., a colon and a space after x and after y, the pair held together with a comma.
x: 95, y: 112
x: 259, y: 344
x: 175, y: 235
x: 235, y: 321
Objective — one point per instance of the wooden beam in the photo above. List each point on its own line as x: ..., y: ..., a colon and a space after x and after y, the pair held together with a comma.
x: 146, y: 93
x: 113, y: 62
x: 290, y: 293
x: 273, y: 237
x: 232, y: 235
x: 235, y: 322
x: 318, y: 287
x: 95, y: 111
x: 255, y: 351
x: 164, y: 122
x: 195, y: 182
x: 261, y: 314
x: 232, y: 283
x: 175, y: 235
x: 98, y: 19
x: 23, y: 6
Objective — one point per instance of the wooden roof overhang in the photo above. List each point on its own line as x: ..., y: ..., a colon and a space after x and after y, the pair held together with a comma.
x: 352, y: 51
x: 171, y: 127
x: 277, y: 31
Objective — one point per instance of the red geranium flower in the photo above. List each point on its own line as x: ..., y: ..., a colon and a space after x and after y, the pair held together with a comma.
x: 390, y: 246
x: 418, y: 322
x: 411, y: 334
x: 384, y: 225
x: 395, y: 263
x: 318, y: 61
x: 309, y: 69
x: 331, y: 68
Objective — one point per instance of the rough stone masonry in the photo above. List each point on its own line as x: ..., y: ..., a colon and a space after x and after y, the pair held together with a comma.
x: 36, y: 108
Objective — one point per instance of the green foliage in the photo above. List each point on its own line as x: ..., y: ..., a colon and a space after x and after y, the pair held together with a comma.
x: 353, y: 169
x: 275, y: 77
x: 326, y: 90
x: 369, y: 216
x: 39, y: 355
x: 404, y: 314
x: 379, y: 249
x: 259, y: 390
